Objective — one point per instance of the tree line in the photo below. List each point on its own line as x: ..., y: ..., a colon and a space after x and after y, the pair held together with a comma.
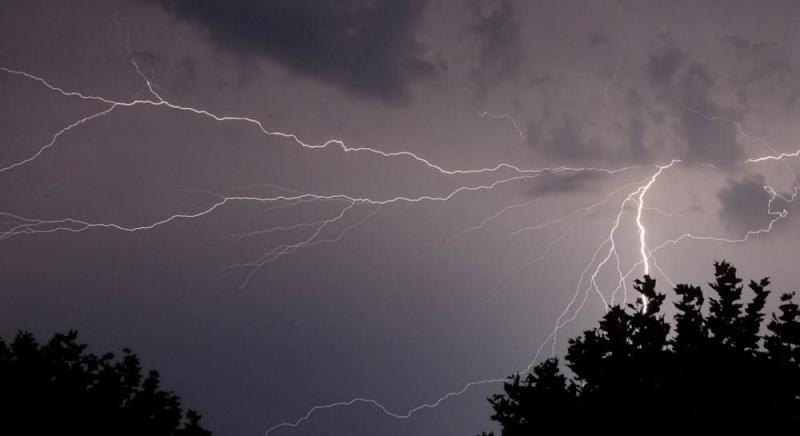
x: 712, y: 367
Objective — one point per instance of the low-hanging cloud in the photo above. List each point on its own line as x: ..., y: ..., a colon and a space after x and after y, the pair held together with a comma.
x: 743, y: 204
x: 364, y: 48
x: 500, y: 46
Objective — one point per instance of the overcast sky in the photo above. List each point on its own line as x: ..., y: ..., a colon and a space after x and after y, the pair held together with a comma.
x: 492, y: 145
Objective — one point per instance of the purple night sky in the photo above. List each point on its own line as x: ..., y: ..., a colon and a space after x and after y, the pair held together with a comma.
x: 355, y: 217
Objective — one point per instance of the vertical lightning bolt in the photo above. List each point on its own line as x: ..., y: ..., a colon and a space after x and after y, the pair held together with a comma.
x: 333, y: 228
x: 642, y: 231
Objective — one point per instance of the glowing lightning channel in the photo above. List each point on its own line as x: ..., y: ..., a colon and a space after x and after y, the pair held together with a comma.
x: 291, y: 136
x: 777, y: 156
x: 610, y: 242
x: 79, y: 225
x: 55, y: 137
x: 360, y: 400
x: 486, y: 221
x: 20, y: 225
x: 139, y: 72
x: 29, y: 226
x: 642, y: 230
x: 504, y: 116
x: 381, y: 407
x: 640, y: 191
x: 552, y: 243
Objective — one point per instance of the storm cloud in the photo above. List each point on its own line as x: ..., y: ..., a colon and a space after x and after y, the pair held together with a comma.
x: 743, y: 204
x: 364, y: 48
x: 686, y: 88
x: 563, y: 183
x: 398, y: 301
x: 500, y: 48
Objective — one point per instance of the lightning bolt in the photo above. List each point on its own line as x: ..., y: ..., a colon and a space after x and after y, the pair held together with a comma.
x: 504, y: 116
x: 605, y: 253
x: 335, y: 143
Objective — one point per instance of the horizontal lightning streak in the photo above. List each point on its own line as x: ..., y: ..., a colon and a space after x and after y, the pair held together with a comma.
x: 489, y: 219
x: 291, y: 136
x: 466, y: 387
x: 381, y: 407
x: 22, y: 225
x: 84, y: 225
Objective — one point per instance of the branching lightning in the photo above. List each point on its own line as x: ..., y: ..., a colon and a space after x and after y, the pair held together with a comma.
x: 333, y: 228
x: 507, y: 117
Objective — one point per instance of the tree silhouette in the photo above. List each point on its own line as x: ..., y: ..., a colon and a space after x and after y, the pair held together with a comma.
x: 716, y: 370
x: 59, y: 388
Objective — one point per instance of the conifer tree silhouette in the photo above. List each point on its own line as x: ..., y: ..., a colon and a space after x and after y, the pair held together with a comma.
x: 716, y: 369
x: 57, y: 388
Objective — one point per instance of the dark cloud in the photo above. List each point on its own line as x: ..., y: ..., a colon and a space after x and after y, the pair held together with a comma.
x: 564, y: 141
x: 708, y: 141
x: 596, y: 39
x: 567, y: 141
x: 387, y: 310
x: 636, y: 136
x: 663, y: 65
x: 365, y: 48
x: 680, y: 100
x: 562, y: 183
x: 189, y: 66
x: 781, y: 71
x: 500, y: 47
x: 746, y: 48
x: 743, y: 204
x: 686, y: 88
x: 536, y: 79
x: 766, y: 71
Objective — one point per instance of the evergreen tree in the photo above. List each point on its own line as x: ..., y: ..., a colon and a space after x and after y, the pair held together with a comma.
x: 716, y: 371
x: 59, y: 388
x: 783, y: 346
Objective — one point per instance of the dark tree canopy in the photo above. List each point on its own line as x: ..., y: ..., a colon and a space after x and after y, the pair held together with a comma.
x: 57, y: 388
x: 714, y: 368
